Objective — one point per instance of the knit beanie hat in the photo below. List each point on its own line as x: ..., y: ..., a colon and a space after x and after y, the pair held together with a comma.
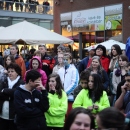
x: 103, y: 48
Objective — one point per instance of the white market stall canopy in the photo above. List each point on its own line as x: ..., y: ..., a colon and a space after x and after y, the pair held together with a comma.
x: 1, y: 28
x: 108, y: 44
x: 26, y: 32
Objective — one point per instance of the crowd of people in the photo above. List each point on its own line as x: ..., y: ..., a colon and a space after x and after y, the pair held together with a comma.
x: 43, y: 92
x: 29, y: 6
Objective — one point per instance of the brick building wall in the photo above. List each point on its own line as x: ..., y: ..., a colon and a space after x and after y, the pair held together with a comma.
x: 64, y: 6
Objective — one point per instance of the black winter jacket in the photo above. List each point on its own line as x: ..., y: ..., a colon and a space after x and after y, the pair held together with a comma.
x: 30, y: 108
x: 8, y: 95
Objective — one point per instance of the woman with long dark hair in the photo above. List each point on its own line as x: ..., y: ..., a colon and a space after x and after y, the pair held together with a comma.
x: 93, y: 98
x: 79, y: 119
x: 115, y: 53
x: 58, y: 102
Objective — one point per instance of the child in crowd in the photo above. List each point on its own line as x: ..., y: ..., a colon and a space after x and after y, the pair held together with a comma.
x: 83, y: 82
x: 36, y: 64
x: 60, y: 63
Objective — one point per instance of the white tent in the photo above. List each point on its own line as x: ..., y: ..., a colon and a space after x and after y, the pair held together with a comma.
x: 1, y: 28
x: 25, y: 32
x: 108, y: 44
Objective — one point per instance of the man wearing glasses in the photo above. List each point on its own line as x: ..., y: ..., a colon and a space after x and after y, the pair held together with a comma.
x: 47, y: 61
x: 123, y: 102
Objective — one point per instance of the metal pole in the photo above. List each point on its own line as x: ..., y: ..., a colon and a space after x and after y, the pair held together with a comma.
x: 80, y: 45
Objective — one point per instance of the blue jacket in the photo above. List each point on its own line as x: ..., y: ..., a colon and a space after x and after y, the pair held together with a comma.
x: 128, y: 48
x: 83, y: 64
x: 30, y: 108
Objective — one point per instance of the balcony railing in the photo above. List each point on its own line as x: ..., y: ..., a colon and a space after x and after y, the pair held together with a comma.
x: 32, y: 7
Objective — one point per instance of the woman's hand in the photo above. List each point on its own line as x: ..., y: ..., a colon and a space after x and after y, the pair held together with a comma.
x: 95, y: 106
x: 124, y: 88
x: 90, y: 108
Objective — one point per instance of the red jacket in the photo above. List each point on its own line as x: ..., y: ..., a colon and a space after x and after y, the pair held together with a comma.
x: 104, y: 61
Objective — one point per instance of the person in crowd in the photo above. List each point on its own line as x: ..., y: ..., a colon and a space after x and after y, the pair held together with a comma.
x: 3, y: 71
x: 1, y: 5
x: 123, y: 103
x: 60, y: 49
x: 55, y: 115
x: 60, y: 63
x: 2, y: 74
x: 84, y: 75
x: 96, y: 67
x: 119, y: 72
x: 118, y: 93
x: 115, y: 53
x: 46, y: 6
x: 36, y: 64
x: 14, y: 50
x: 17, y: 4
x: 101, y: 52
x: 1, y: 60
x: 30, y: 103
x: 69, y: 77
x: 6, y: 51
x: 47, y: 61
x: 84, y: 62
x: 7, y: 89
x: 79, y: 119
x: 9, y: 4
x: 110, y: 118
x: 31, y: 51
x: 93, y: 98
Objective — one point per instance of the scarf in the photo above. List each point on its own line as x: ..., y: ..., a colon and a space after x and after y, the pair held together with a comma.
x: 113, y: 63
x: 12, y: 83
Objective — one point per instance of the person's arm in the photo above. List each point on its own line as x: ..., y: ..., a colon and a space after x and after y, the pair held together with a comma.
x: 51, y: 65
x: 10, y: 91
x: 44, y: 78
x: 118, y: 93
x: 78, y: 102
x: 106, y: 80
x: 104, y: 102
x: 106, y: 64
x: 59, y: 110
x: 114, y: 82
x: 119, y: 101
x: 74, y: 81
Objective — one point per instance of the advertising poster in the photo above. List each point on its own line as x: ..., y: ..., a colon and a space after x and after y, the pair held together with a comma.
x: 88, y: 20
x: 113, y: 17
x: 113, y: 22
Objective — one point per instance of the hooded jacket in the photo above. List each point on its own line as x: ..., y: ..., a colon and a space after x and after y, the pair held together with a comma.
x: 30, y: 108
x: 44, y: 76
